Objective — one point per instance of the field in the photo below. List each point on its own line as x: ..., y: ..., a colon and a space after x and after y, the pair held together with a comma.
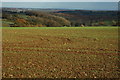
x: 67, y: 52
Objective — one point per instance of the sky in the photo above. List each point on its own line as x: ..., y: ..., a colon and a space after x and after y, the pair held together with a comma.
x: 59, y: 0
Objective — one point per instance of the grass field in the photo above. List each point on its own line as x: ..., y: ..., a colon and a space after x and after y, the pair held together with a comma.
x: 68, y: 52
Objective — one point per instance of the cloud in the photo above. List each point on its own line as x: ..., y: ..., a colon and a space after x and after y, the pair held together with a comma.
x: 60, y: 0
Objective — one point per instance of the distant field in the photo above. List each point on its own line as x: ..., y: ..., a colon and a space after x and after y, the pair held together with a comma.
x: 60, y: 52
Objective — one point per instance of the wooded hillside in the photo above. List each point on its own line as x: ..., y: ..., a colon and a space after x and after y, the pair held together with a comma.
x: 58, y: 18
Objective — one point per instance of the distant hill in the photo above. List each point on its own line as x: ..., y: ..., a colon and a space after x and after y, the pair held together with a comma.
x: 90, y: 18
x: 20, y: 17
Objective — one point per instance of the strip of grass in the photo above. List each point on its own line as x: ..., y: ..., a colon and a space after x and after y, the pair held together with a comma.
x: 100, y: 27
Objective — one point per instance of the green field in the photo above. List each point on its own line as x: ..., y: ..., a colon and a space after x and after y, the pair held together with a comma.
x: 60, y: 52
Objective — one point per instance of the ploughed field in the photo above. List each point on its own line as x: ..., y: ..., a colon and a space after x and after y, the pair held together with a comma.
x: 60, y: 52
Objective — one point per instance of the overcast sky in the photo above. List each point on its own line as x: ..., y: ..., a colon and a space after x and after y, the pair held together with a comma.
x: 60, y: 0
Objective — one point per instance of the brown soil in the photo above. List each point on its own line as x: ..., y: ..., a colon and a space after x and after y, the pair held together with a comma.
x: 42, y: 54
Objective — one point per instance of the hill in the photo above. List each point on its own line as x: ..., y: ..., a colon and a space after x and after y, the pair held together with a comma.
x: 90, y: 18
x: 17, y: 17
x: 31, y: 18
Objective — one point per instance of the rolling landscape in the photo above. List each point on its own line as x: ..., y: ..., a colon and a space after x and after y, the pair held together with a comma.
x: 59, y: 43
x: 19, y: 17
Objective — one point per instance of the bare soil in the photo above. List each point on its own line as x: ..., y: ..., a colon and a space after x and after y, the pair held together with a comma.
x: 60, y: 53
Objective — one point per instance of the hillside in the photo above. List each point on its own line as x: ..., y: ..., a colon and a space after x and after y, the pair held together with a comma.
x: 15, y: 17
x: 90, y: 18
x: 29, y: 18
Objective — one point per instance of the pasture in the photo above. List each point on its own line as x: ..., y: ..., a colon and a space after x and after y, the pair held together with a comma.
x: 60, y: 52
